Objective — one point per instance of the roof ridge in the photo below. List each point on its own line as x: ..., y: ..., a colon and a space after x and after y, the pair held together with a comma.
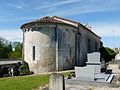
x: 65, y: 19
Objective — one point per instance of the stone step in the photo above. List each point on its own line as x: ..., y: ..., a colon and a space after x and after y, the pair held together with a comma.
x: 109, y: 80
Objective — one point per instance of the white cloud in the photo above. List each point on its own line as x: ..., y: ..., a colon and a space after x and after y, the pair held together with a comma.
x: 86, y: 9
x: 50, y: 8
x: 106, y: 30
x: 17, y: 19
x: 17, y: 6
x: 11, y: 35
x: 57, y: 4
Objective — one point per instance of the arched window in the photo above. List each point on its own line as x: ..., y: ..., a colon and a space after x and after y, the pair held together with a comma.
x: 96, y: 47
x: 33, y: 52
x: 88, y: 45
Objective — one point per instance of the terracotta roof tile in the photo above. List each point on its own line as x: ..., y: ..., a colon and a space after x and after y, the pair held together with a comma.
x: 65, y: 19
x: 42, y: 20
x: 48, y: 19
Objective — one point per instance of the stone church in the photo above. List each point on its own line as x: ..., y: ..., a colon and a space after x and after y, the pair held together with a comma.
x: 55, y: 43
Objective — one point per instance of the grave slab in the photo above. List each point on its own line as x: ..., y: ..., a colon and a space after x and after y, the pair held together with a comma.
x: 85, y: 73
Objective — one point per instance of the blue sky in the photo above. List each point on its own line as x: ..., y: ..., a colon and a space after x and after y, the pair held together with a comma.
x: 102, y: 15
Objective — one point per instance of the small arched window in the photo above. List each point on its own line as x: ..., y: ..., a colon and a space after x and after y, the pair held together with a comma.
x: 33, y: 52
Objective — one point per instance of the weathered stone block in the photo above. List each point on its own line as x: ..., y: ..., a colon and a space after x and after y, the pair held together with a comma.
x: 56, y: 82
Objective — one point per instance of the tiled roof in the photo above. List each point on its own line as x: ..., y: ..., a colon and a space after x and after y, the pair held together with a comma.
x: 53, y: 19
x: 42, y: 20
x: 48, y: 19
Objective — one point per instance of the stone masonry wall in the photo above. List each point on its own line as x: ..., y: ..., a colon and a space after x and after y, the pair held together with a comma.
x: 84, y: 43
x: 42, y: 37
x: 66, y: 47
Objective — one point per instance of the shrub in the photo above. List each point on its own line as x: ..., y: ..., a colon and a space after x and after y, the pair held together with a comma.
x: 3, y: 71
x: 107, y: 54
x: 24, y: 69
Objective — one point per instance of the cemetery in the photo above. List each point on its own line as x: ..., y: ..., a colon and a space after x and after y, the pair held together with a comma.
x: 89, y: 77
x: 59, y: 45
x: 92, y: 72
x: 85, y: 77
x: 55, y: 53
x: 96, y: 74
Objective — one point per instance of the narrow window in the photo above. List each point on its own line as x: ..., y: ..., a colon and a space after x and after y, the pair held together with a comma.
x: 88, y: 45
x: 95, y: 47
x: 70, y: 52
x: 33, y: 52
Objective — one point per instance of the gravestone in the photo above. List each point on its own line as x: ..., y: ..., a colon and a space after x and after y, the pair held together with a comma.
x: 93, y: 57
x: 117, y: 58
x: 92, y: 72
x: 118, y: 61
x: 56, y: 82
x: 93, y: 67
x: 94, y: 60
x: 85, y: 73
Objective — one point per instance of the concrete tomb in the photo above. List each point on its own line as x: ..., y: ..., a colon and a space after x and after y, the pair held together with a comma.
x: 94, y: 61
x: 85, y: 73
x: 88, y: 72
x: 92, y: 72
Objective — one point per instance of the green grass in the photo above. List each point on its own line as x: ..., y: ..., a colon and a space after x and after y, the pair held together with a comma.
x: 23, y: 82
x: 66, y: 74
x: 114, y: 85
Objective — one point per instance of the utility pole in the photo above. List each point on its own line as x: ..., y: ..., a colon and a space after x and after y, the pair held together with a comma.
x: 113, y: 39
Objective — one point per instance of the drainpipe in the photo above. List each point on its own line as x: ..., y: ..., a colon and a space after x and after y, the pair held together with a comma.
x: 56, y: 44
x: 23, y: 45
x: 78, y: 62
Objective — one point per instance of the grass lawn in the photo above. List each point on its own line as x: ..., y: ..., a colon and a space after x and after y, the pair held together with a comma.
x: 23, y: 82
